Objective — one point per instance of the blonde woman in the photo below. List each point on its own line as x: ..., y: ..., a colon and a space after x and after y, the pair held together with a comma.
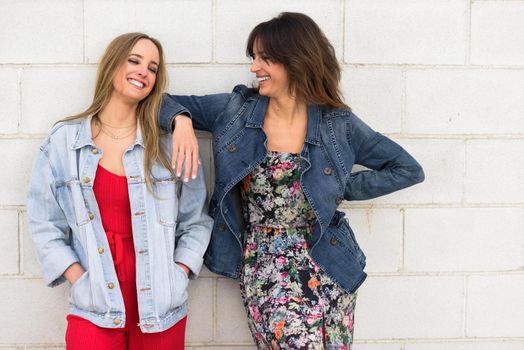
x: 107, y: 214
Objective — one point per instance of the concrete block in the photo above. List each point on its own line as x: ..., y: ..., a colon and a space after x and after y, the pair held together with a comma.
x: 10, y: 100
x: 375, y: 96
x: 50, y: 94
x: 9, y: 244
x: 378, y: 232
x: 494, y: 173
x: 494, y: 28
x: 47, y: 31
x: 229, y: 347
x: 467, y: 345
x: 495, y: 306
x: 183, y: 27
x: 236, y: 18
x: 410, y: 307
x: 380, y: 346
x: 231, y: 319
x: 22, y: 153
x: 464, y: 101
x: 30, y: 265
x: 33, y: 313
x: 464, y: 239
x: 405, y: 31
x: 443, y: 164
x: 208, y: 80
x: 200, y: 318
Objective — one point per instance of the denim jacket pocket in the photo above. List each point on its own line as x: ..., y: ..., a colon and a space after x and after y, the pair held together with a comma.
x: 353, y: 240
x: 179, y: 286
x: 166, y: 201
x: 343, y: 234
x: 80, y: 293
x: 71, y: 194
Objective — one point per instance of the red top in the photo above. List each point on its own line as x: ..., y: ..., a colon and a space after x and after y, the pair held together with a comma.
x: 112, y: 198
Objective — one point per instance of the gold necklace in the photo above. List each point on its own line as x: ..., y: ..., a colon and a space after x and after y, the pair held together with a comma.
x: 116, y: 127
x: 116, y: 136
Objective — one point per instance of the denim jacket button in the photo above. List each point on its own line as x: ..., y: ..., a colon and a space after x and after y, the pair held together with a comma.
x: 94, y: 150
x: 338, y: 200
x: 86, y: 179
x: 221, y: 227
x: 328, y: 171
x: 232, y: 148
x: 101, y: 250
x: 333, y: 241
x: 91, y: 216
x: 117, y: 321
x: 110, y: 285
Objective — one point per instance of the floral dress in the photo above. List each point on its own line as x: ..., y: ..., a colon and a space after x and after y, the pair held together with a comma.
x: 290, y: 302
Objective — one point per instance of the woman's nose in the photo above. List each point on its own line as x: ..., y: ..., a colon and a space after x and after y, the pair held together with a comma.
x: 254, y: 66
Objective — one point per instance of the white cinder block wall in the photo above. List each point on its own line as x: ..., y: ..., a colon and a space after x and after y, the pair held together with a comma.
x: 445, y: 78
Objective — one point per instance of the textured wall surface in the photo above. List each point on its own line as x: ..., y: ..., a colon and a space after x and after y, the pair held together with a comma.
x: 444, y: 78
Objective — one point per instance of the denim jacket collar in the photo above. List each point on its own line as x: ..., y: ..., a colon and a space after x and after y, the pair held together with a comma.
x: 256, y: 119
x: 85, y: 137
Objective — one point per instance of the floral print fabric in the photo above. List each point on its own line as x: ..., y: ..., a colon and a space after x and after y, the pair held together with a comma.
x: 291, y: 303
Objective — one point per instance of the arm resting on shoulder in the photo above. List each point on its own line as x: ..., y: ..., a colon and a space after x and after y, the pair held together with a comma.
x: 184, y: 112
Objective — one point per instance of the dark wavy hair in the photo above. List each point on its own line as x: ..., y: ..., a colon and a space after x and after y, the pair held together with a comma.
x: 296, y: 41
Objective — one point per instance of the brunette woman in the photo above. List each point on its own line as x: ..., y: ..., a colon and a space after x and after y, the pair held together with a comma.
x: 283, y: 155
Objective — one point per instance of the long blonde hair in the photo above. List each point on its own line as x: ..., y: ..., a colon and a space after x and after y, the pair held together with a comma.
x: 147, y: 111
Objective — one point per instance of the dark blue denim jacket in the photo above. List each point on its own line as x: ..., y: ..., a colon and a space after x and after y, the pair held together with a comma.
x: 336, y: 139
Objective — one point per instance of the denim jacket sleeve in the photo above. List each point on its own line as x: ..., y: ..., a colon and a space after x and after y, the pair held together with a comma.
x: 203, y: 110
x: 193, y: 229
x: 392, y: 168
x: 48, y: 224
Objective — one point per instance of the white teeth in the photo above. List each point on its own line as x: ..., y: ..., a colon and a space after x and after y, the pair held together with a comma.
x: 136, y: 83
x: 261, y: 79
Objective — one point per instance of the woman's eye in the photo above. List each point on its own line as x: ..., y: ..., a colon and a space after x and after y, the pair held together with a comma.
x: 153, y: 70
x: 133, y: 61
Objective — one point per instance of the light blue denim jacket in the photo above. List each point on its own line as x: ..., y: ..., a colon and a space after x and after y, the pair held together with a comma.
x: 169, y: 225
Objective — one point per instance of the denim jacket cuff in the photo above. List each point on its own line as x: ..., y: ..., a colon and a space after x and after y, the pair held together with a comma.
x: 191, y: 259
x: 55, y: 264
x: 169, y: 111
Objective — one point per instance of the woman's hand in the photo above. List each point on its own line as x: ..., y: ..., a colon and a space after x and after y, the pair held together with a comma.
x: 185, y: 148
x: 74, y: 272
x: 184, y: 267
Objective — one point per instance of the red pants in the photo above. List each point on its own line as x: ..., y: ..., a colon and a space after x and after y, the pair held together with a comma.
x: 84, y: 335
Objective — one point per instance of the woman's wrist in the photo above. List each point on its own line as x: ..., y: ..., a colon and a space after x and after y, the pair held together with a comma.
x: 184, y: 267
x: 73, y: 272
x: 182, y: 118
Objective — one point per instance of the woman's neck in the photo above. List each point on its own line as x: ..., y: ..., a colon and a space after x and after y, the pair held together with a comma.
x: 118, y: 113
x: 287, y: 110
